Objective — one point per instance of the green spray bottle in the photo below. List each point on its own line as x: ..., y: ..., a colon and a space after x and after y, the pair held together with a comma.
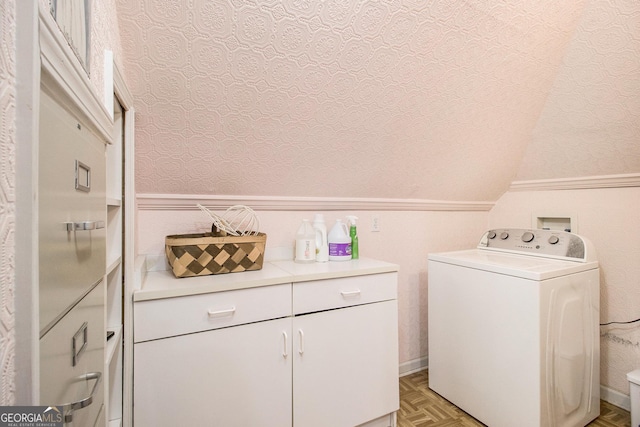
x: 353, y: 233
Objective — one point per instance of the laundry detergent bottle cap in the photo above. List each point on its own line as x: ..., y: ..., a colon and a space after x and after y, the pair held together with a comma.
x: 353, y: 233
x: 305, y: 243
x: 339, y: 242
x: 322, y: 244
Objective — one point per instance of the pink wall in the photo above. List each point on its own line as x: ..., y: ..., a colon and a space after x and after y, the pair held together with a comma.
x: 590, y: 123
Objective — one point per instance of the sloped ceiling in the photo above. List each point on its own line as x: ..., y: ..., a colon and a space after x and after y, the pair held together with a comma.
x: 348, y: 98
x: 590, y: 124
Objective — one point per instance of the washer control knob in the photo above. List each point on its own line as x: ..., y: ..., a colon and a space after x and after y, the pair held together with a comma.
x: 504, y: 235
x: 491, y: 235
x: 527, y: 236
x: 554, y: 239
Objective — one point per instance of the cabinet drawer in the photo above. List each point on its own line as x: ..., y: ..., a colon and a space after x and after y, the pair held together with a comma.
x: 321, y: 295
x: 182, y: 315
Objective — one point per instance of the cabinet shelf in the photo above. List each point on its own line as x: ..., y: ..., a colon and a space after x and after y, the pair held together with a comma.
x: 113, y: 264
x: 113, y: 343
x: 113, y: 202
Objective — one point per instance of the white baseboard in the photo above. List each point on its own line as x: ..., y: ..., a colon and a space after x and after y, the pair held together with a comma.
x: 413, y: 366
x: 616, y: 398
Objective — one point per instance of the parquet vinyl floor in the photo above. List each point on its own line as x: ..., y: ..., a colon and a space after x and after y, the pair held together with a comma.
x: 421, y: 407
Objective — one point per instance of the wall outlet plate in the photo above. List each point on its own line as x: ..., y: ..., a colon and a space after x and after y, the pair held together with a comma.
x: 375, y: 223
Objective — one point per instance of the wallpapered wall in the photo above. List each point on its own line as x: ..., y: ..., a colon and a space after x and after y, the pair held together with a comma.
x: 7, y: 200
x: 590, y: 124
x: 105, y: 35
x: 390, y: 98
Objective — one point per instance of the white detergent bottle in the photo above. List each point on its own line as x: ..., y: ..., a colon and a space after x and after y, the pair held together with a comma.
x: 322, y: 244
x: 339, y: 242
x: 305, y: 243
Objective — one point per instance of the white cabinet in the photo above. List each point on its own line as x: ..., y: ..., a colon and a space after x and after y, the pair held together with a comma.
x: 220, y: 358
x: 305, y: 348
x: 238, y: 376
x: 345, y: 368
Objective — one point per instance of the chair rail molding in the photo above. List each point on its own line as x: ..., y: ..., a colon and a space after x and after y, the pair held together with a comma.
x: 578, y: 183
x: 278, y: 203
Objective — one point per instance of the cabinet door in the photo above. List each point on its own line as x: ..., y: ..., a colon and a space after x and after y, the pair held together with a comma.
x: 345, y: 365
x: 238, y: 376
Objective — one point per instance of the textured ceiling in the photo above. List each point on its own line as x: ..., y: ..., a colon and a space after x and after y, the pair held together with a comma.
x: 393, y: 98
x: 591, y: 122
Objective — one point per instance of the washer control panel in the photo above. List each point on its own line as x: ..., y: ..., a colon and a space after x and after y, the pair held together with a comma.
x: 549, y: 243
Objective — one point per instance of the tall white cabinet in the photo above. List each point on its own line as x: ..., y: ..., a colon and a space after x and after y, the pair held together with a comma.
x: 289, y: 345
x: 57, y: 67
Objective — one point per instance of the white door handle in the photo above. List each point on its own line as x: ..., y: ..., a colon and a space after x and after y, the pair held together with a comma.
x: 301, y: 345
x: 285, y: 353
x: 222, y: 313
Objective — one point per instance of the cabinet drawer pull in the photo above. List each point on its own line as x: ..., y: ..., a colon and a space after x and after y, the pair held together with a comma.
x: 84, y: 225
x: 350, y: 294
x: 77, y: 347
x: 285, y: 353
x: 301, y: 345
x: 69, y: 408
x: 222, y: 313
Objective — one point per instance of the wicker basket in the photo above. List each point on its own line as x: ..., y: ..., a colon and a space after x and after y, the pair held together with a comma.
x: 203, y: 254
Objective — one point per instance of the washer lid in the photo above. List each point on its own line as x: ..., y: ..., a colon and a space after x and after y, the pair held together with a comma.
x: 524, y: 266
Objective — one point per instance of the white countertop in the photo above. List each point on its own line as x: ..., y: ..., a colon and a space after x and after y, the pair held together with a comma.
x: 163, y: 284
x: 333, y: 269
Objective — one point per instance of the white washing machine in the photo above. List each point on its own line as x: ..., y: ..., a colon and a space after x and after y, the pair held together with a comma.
x: 513, y: 329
